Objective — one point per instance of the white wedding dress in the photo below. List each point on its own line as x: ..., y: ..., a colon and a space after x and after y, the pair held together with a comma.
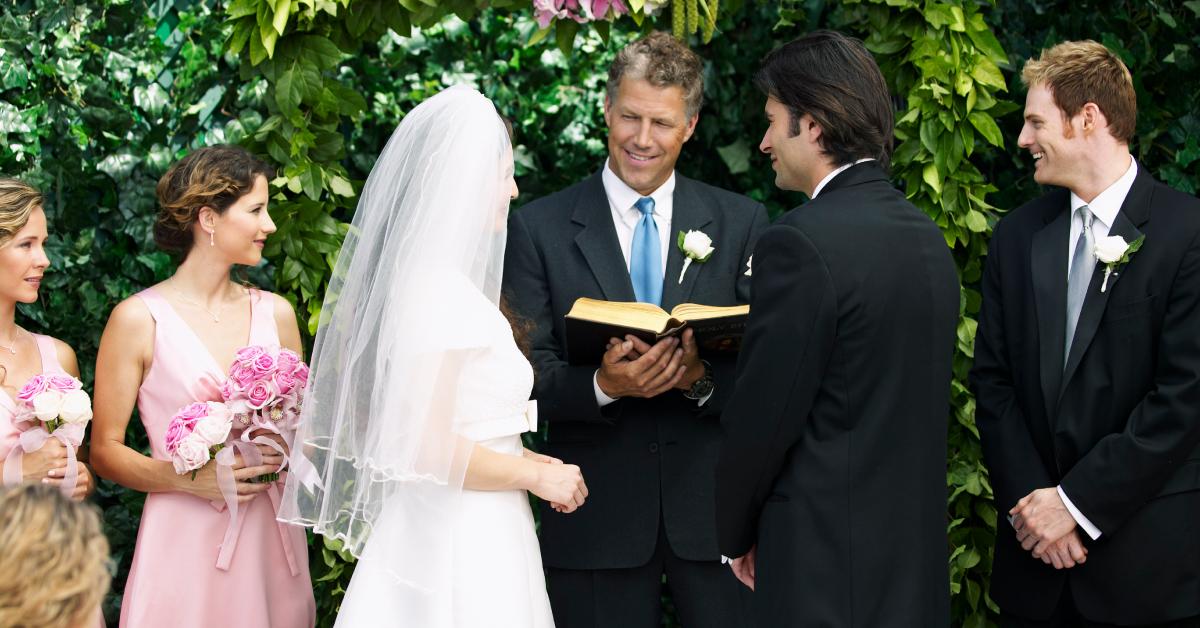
x: 496, y: 563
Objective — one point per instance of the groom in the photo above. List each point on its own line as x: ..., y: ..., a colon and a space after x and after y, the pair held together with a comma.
x: 1087, y: 381
x: 642, y: 424
x: 831, y: 484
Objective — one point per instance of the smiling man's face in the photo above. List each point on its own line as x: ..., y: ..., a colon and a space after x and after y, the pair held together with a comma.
x: 1056, y: 144
x: 647, y: 127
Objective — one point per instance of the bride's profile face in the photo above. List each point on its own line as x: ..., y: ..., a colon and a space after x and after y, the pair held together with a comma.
x: 509, y: 187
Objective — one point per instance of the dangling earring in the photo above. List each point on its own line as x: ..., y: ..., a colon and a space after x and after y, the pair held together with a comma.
x: 212, y: 238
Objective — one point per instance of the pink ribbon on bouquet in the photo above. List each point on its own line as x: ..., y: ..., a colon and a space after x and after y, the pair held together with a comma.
x: 32, y: 439
x: 228, y: 484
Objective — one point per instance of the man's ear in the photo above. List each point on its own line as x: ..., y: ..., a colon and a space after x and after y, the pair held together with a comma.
x: 691, y: 127
x: 607, y: 111
x: 814, y: 130
x: 1092, y: 117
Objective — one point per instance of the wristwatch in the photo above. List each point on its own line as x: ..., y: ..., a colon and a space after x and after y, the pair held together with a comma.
x: 702, y: 387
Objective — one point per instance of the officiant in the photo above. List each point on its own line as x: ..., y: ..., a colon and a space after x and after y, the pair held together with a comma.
x: 643, y: 424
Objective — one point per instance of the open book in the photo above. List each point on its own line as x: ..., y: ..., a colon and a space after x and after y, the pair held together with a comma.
x: 591, y: 323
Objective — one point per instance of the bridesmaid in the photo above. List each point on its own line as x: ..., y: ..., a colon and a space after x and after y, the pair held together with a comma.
x: 171, y: 345
x: 24, y: 354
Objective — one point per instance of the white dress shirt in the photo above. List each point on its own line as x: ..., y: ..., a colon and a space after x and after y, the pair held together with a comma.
x: 1104, y: 208
x: 829, y: 177
x: 622, y: 201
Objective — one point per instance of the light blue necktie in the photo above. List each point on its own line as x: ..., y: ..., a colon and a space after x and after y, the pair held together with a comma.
x: 645, y: 259
x: 1080, y: 276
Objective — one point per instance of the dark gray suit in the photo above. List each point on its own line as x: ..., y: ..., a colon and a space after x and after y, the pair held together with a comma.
x: 648, y: 463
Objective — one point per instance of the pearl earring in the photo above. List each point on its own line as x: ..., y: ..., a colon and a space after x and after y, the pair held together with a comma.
x: 212, y: 239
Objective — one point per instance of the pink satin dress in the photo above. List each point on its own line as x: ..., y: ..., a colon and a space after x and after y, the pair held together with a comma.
x: 175, y: 580
x: 9, y: 434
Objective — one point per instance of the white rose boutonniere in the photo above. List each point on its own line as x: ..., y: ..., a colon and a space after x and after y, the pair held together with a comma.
x: 696, y: 246
x: 1114, y: 251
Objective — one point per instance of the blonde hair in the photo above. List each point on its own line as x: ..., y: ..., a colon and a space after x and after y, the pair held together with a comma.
x: 53, y: 559
x: 1079, y: 72
x: 17, y: 202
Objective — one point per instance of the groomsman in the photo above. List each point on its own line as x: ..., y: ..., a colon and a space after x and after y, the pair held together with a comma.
x: 831, y: 484
x: 643, y: 424
x: 1087, y: 367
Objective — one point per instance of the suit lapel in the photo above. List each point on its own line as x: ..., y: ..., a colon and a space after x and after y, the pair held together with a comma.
x: 597, y: 240
x: 1134, y: 212
x: 1048, y: 265
x: 690, y: 213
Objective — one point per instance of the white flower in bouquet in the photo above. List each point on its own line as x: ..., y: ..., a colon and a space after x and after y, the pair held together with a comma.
x: 191, y: 454
x: 76, y: 407
x: 214, y: 428
x: 47, y: 405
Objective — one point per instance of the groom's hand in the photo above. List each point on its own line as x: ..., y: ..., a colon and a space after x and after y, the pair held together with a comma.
x: 743, y: 567
x: 1040, y: 520
x: 632, y: 368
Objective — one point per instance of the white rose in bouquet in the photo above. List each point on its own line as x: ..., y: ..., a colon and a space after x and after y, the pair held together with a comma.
x: 76, y: 407
x: 47, y: 405
x: 214, y: 428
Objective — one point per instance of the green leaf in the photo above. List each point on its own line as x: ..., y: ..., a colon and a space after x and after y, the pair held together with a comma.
x: 340, y: 186
x: 976, y: 221
x: 736, y: 156
x: 987, y: 73
x: 564, y: 35
x: 282, y: 10
x: 541, y: 34
x: 987, y: 127
x: 931, y: 177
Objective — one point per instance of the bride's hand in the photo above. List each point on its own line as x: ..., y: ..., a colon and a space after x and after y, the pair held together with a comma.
x: 560, y: 484
x: 536, y: 457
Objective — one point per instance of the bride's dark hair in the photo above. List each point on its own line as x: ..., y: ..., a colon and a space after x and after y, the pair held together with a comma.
x: 521, y: 326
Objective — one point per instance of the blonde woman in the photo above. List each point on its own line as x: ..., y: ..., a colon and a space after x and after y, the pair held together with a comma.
x: 24, y: 354
x: 53, y: 560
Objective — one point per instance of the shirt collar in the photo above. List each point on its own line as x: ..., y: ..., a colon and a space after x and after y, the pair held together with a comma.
x: 1107, y: 204
x: 829, y: 177
x: 622, y: 197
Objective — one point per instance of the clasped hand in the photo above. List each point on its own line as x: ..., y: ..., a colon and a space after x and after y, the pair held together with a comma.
x: 633, y: 368
x: 1046, y: 528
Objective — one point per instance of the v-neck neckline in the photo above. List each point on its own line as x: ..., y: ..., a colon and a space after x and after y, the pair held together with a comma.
x: 212, y: 360
x: 11, y: 401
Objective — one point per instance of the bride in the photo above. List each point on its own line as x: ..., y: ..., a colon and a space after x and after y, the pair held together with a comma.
x: 419, y: 393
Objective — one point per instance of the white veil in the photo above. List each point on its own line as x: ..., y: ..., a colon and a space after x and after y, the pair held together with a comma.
x: 419, y: 268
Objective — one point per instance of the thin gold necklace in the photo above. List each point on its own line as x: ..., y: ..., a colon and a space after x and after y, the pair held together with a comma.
x: 12, y: 346
x: 216, y: 316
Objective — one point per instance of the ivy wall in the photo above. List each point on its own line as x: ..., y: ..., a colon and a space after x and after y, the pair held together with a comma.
x: 97, y: 98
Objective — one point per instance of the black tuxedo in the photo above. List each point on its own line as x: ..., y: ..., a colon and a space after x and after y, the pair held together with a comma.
x: 647, y: 462
x: 1118, y: 428
x: 834, y: 455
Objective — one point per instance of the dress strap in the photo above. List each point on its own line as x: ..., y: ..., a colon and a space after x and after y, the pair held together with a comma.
x: 48, y: 353
x: 154, y: 302
x: 263, y: 329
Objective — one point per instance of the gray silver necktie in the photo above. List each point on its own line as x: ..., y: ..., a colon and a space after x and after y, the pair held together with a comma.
x: 1083, y: 262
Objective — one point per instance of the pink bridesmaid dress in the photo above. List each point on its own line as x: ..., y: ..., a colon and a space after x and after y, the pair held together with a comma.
x: 175, y: 580
x: 8, y: 405
x: 8, y: 408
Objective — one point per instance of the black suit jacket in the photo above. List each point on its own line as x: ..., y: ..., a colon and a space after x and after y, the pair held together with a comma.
x: 1118, y: 429
x: 639, y: 457
x: 834, y: 455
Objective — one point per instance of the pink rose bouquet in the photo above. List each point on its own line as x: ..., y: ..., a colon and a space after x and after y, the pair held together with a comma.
x: 50, y: 405
x: 196, y: 433
x: 265, y: 388
x: 265, y: 391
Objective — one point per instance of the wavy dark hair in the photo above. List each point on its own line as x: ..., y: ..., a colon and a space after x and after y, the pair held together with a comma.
x: 834, y: 79
x: 214, y: 177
